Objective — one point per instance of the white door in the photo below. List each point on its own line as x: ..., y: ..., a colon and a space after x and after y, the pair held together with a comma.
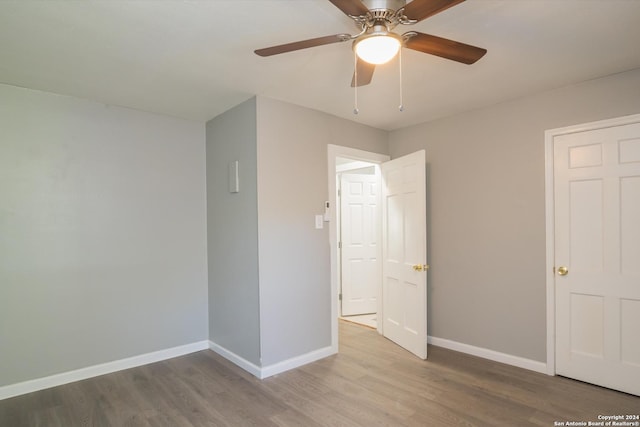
x: 359, y: 225
x: 404, y: 253
x: 597, y: 256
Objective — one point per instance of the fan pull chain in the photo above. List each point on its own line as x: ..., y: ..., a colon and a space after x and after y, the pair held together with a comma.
x: 401, y: 106
x: 355, y: 83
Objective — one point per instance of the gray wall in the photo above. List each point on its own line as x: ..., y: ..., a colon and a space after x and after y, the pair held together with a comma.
x: 102, y: 233
x: 487, y: 215
x: 294, y: 257
x: 103, y: 225
x: 234, y: 310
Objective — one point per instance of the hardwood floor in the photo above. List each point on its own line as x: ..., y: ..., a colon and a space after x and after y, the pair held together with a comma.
x: 369, y: 320
x: 371, y: 382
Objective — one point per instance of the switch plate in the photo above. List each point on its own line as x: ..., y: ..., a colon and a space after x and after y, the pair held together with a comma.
x: 319, y: 221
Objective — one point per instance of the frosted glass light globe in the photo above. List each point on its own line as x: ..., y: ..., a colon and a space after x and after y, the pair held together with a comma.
x: 377, y: 49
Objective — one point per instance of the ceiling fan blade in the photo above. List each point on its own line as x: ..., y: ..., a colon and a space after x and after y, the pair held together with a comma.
x: 445, y: 48
x: 303, y: 44
x: 351, y: 7
x: 364, y: 73
x: 422, y: 9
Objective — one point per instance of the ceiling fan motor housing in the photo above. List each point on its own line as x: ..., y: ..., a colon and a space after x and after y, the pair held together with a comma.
x: 380, y: 13
x: 384, y: 4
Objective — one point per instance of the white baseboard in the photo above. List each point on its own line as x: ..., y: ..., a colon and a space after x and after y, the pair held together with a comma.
x: 276, y: 368
x: 297, y: 361
x: 13, y: 390
x: 496, y: 356
x: 252, y: 368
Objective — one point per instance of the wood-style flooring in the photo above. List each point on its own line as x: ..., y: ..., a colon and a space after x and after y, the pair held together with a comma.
x: 369, y: 320
x: 371, y: 382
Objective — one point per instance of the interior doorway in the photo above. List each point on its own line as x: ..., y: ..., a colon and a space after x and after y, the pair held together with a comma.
x: 401, y: 298
x: 358, y: 212
x: 341, y: 159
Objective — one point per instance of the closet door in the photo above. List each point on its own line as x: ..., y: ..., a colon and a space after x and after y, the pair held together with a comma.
x: 597, y: 256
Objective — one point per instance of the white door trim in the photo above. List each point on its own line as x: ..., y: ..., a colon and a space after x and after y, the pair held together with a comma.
x: 334, y: 151
x: 549, y: 136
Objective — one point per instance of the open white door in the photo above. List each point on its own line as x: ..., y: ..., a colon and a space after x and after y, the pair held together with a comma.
x: 360, y: 262
x: 404, y: 252
x: 597, y: 256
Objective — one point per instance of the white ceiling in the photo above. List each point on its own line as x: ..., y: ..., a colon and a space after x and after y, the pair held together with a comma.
x: 194, y: 59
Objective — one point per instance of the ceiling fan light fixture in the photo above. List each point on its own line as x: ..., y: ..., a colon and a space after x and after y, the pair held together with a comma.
x: 378, y: 48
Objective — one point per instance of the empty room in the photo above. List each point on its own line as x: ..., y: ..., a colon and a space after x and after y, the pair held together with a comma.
x: 319, y: 213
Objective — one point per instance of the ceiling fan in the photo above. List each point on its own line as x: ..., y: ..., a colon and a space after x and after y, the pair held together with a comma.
x: 377, y: 44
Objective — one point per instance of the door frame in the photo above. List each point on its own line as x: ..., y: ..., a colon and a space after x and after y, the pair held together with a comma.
x: 549, y: 137
x: 334, y: 151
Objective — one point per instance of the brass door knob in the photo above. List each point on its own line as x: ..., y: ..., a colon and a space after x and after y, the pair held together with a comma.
x: 421, y: 267
x: 563, y: 271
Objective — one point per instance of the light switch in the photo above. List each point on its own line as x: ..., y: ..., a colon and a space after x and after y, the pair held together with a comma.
x: 319, y: 221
